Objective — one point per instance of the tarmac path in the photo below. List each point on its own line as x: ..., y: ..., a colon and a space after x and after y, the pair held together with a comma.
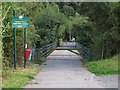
x: 64, y: 69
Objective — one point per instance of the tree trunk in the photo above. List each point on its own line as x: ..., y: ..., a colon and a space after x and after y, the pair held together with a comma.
x: 70, y: 36
x: 102, y: 53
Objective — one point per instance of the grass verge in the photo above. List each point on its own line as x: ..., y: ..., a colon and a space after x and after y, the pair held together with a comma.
x: 19, y: 78
x: 103, y: 67
x: 0, y: 79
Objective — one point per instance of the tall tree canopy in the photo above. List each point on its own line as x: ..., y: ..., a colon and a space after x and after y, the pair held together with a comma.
x: 95, y: 25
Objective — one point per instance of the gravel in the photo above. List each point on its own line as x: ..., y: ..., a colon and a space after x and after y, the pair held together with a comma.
x: 108, y: 81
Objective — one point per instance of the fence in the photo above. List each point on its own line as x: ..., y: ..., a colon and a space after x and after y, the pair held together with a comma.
x: 84, y: 51
x: 43, y: 51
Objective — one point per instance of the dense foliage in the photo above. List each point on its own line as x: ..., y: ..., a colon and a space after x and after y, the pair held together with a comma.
x: 49, y: 24
x: 95, y: 25
x: 105, y: 32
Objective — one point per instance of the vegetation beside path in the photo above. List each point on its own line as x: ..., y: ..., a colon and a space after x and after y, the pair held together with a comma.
x: 20, y: 77
x: 103, y: 67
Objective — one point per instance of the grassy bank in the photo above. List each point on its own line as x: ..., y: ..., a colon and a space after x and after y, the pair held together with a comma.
x: 103, y: 67
x: 20, y: 77
x: 0, y: 79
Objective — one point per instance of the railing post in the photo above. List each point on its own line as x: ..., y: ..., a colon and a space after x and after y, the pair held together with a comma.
x: 14, y: 32
x: 90, y: 53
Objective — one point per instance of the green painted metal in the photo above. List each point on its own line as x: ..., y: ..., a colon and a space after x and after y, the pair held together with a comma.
x: 45, y: 50
x: 25, y: 48
x: 20, y: 22
x: 14, y: 32
x: 84, y: 51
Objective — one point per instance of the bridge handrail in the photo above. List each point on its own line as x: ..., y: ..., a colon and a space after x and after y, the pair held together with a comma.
x: 44, y: 51
x: 86, y: 52
x: 47, y: 49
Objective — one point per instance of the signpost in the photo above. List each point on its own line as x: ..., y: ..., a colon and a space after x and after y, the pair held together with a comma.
x: 14, y: 32
x: 25, y: 48
x: 20, y: 22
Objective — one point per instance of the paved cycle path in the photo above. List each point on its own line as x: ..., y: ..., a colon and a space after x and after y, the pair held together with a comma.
x: 64, y: 69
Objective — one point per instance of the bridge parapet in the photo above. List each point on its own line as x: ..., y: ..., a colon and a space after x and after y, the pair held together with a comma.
x: 44, y: 51
x: 84, y: 51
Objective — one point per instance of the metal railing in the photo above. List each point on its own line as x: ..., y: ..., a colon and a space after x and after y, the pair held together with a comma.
x: 43, y: 51
x: 46, y: 50
x: 84, y: 51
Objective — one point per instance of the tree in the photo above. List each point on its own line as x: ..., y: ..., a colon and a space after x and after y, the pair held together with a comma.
x: 7, y: 30
x: 68, y: 11
x: 104, y: 20
x: 49, y: 21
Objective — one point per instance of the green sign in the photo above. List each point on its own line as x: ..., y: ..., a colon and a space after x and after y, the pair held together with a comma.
x: 20, y: 22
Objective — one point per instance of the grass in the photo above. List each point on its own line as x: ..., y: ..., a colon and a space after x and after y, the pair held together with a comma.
x: 0, y: 79
x: 103, y: 67
x: 19, y: 78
